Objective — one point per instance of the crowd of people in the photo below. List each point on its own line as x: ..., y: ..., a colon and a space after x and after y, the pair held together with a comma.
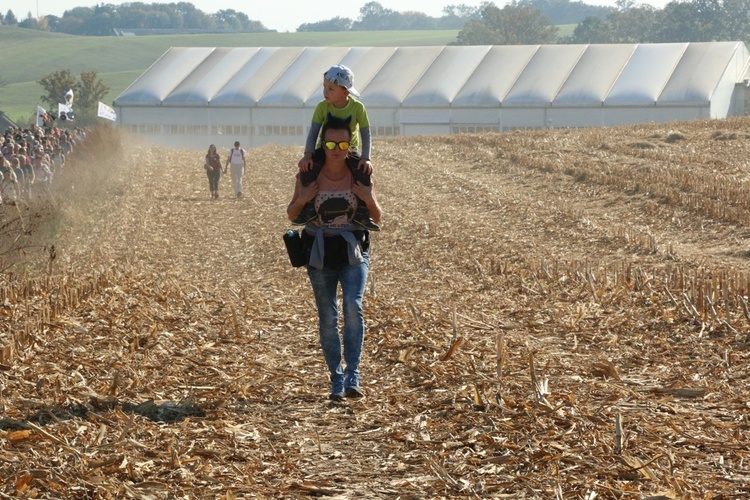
x: 31, y: 158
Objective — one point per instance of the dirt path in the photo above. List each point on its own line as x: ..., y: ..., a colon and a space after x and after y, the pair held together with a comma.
x: 548, y: 250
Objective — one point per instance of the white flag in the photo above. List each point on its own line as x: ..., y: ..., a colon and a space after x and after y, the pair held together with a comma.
x: 106, y: 112
x: 69, y: 97
x: 41, y: 115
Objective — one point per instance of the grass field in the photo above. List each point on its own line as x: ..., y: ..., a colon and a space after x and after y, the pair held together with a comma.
x: 565, y: 29
x: 29, y: 55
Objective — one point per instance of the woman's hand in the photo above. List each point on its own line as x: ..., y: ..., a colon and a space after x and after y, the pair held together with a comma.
x: 307, y: 193
x: 367, y: 195
x: 363, y: 192
x: 302, y: 194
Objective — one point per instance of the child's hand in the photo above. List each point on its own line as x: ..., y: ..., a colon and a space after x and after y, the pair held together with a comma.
x: 305, y: 164
x: 365, y: 166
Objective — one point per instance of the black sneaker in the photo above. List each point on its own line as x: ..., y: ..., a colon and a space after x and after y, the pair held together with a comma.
x: 354, y: 392
x: 336, y: 396
x: 366, y: 222
x: 307, y: 214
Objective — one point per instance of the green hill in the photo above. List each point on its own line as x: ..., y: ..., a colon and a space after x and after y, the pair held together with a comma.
x: 28, y: 55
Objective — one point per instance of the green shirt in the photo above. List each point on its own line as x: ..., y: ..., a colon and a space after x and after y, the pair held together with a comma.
x: 354, y: 109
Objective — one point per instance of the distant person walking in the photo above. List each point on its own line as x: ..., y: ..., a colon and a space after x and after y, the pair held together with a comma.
x: 213, y: 170
x: 237, y: 161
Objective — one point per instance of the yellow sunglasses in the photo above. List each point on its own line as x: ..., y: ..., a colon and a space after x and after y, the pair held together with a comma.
x: 330, y: 145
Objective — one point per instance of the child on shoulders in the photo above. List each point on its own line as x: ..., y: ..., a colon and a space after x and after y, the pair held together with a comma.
x: 338, y: 89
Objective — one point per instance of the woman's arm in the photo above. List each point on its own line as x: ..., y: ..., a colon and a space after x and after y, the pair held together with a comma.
x: 366, y: 194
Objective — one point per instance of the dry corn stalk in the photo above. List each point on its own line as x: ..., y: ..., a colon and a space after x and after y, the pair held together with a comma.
x: 540, y: 386
x: 618, y: 434
x: 501, y: 356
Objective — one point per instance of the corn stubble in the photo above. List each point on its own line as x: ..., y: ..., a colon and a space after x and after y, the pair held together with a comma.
x: 559, y: 314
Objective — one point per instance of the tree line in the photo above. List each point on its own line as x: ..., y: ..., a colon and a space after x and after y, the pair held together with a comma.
x: 522, y: 22
x: 519, y: 22
x: 106, y: 19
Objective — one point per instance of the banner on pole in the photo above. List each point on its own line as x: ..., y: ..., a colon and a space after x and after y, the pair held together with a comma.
x: 41, y: 116
x: 106, y: 112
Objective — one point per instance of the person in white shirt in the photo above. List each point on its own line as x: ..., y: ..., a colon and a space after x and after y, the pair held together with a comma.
x: 237, y: 161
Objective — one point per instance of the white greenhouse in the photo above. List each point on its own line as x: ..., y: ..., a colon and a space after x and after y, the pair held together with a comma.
x: 195, y: 95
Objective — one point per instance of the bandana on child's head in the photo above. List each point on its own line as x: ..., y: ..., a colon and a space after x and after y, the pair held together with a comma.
x: 341, y: 75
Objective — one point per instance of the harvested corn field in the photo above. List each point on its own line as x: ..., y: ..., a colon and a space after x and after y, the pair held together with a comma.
x: 550, y: 314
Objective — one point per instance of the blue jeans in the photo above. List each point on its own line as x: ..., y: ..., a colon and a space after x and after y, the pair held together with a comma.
x: 325, y: 287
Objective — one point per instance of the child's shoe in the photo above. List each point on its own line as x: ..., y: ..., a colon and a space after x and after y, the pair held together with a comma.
x: 307, y: 214
x: 362, y: 217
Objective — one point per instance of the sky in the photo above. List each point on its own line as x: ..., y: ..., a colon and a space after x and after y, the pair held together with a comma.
x: 284, y: 15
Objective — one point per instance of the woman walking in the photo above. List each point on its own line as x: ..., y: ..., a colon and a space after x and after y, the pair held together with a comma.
x: 213, y: 169
x: 338, y: 255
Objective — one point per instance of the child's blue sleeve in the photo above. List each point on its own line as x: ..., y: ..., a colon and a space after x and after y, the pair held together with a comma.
x: 364, y: 134
x: 312, y: 137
